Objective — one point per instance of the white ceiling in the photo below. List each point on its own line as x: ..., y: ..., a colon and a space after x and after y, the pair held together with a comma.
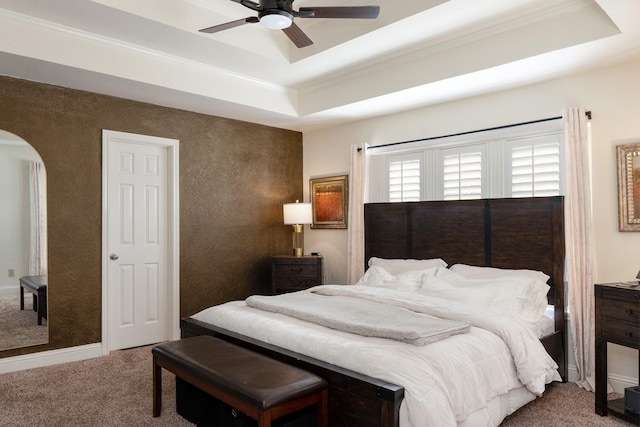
x: 417, y: 53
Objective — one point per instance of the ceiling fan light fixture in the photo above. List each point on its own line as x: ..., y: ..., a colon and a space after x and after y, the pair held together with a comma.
x: 275, y: 19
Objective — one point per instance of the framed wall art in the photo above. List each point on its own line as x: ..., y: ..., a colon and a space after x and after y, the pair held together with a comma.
x: 329, y: 201
x: 628, y: 187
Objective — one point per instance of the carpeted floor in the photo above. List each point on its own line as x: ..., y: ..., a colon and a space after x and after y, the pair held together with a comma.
x: 115, y: 390
x: 563, y: 405
x: 19, y: 328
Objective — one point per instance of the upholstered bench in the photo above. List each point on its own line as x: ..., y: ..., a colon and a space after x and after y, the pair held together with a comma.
x: 263, y: 388
x: 37, y: 285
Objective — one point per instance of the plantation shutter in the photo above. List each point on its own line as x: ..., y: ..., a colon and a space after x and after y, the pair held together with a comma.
x: 404, y: 178
x: 462, y: 174
x: 535, y: 168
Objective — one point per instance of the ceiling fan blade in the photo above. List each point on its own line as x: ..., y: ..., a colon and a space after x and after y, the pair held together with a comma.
x: 250, y: 4
x: 232, y: 24
x: 297, y: 36
x: 351, y: 12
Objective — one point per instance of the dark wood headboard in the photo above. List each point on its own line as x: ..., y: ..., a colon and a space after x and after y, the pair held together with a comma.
x: 522, y: 233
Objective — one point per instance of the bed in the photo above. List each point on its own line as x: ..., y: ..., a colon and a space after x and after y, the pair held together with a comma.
x: 509, y: 234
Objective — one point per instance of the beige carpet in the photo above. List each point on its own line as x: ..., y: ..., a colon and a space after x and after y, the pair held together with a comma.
x: 19, y: 328
x: 563, y: 405
x: 116, y: 391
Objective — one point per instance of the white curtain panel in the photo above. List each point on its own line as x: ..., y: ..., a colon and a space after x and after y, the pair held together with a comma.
x: 357, y: 198
x: 38, y: 199
x: 579, y: 244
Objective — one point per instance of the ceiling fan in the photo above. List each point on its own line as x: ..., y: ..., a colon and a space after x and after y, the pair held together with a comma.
x: 279, y: 14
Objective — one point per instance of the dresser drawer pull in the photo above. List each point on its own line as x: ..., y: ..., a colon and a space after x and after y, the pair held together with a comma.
x: 630, y: 335
x: 296, y: 269
x: 632, y: 313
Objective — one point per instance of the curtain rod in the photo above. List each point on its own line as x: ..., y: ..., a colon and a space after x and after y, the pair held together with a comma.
x: 548, y: 119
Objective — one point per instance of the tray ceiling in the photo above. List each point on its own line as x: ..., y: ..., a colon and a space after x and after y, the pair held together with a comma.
x: 415, y: 54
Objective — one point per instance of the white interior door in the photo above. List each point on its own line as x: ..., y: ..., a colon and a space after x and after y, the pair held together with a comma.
x: 140, y: 286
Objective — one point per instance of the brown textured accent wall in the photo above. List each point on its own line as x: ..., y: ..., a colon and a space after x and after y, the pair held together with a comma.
x: 234, y: 177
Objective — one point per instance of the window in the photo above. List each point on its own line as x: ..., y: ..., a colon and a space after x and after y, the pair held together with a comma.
x: 535, y: 166
x: 404, y: 178
x: 516, y: 162
x: 461, y: 173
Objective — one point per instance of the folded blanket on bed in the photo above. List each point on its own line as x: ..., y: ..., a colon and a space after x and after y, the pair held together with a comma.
x: 361, y: 316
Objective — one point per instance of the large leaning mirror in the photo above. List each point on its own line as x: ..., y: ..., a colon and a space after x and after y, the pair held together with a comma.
x: 23, y: 245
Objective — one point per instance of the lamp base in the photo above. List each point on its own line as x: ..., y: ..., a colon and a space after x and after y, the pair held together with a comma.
x: 298, y: 239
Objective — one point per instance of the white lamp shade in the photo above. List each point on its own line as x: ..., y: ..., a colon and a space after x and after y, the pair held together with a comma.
x: 297, y: 213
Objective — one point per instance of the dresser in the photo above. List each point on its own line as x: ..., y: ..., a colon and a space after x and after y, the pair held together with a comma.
x: 291, y: 273
x: 617, y: 321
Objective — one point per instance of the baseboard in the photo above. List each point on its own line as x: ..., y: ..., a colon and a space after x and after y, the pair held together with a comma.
x: 9, y: 291
x: 52, y: 357
x: 617, y: 382
x: 620, y: 382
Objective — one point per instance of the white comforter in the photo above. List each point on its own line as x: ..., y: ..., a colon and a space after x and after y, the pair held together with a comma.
x: 450, y: 382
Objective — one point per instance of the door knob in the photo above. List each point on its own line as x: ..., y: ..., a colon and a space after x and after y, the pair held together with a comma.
x: 114, y: 256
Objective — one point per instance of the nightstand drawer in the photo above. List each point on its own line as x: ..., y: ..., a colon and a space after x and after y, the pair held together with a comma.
x: 619, y: 294
x: 283, y: 270
x: 296, y: 283
x: 623, y: 311
x: 623, y: 334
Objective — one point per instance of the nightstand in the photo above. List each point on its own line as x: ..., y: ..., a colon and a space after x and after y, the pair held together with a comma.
x: 617, y: 321
x: 291, y: 273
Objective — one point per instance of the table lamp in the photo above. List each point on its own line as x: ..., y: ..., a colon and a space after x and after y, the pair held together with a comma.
x: 297, y: 214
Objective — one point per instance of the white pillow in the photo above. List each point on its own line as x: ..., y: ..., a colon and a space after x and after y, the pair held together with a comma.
x: 395, y: 266
x: 409, y: 281
x: 516, y: 296
x: 475, y: 272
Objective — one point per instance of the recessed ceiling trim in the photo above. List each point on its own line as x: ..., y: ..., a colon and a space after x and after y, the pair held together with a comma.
x: 453, y: 40
x: 494, y: 46
x: 23, y: 35
x: 84, y: 35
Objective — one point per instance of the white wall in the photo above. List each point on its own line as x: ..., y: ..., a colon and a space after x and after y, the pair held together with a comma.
x: 612, y: 94
x: 14, y: 214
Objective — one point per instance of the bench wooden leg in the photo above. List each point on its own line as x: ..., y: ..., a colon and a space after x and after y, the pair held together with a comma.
x: 264, y: 419
x: 41, y: 307
x: 157, y: 388
x: 322, y: 410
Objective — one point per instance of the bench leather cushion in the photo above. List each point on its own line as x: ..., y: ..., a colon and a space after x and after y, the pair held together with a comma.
x: 253, y: 377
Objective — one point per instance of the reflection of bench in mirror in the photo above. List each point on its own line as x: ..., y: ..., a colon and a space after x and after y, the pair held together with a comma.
x: 37, y: 285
